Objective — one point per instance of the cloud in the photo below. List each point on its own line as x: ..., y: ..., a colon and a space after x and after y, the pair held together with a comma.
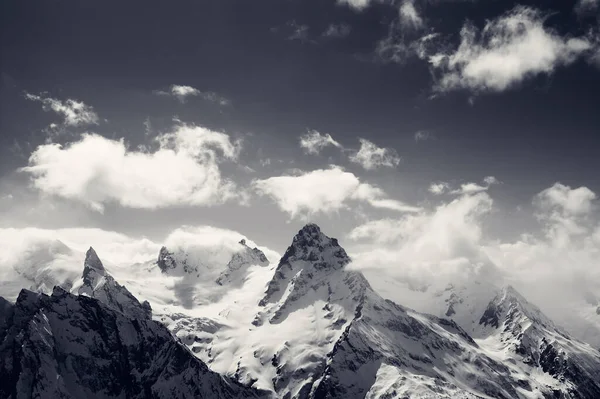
x: 183, y: 92
x: 74, y: 113
x: 184, y: 170
x: 370, y: 156
x: 337, y: 31
x: 422, y: 135
x: 299, y: 31
x: 41, y: 258
x: 210, y: 246
x: 510, y: 49
x: 324, y: 191
x: 358, y: 5
x: 554, y: 266
x: 440, y: 188
x: 314, y: 142
x: 426, y: 245
x: 564, y: 211
x: 409, y: 16
x: 584, y: 7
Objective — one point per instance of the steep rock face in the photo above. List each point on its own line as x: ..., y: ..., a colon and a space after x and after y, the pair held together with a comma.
x: 97, y: 283
x: 67, y: 346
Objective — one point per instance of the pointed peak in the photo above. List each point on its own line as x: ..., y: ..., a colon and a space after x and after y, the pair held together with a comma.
x: 92, y: 260
x: 93, y: 269
x: 310, y: 229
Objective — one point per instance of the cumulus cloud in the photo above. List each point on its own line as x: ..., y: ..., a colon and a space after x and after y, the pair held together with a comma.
x: 182, y: 92
x: 555, y: 266
x: 564, y: 212
x: 73, y: 112
x: 508, y: 50
x: 324, y: 191
x: 419, y: 247
x: 314, y: 142
x: 184, y: 170
x: 370, y: 156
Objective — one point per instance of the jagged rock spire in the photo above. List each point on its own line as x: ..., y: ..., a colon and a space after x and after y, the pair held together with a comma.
x: 92, y: 268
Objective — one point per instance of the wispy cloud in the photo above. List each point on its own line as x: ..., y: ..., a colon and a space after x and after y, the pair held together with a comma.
x: 182, y: 93
x: 370, y: 156
x: 298, y: 31
x: 423, y: 135
x: 439, y: 188
x: 314, y: 142
x: 73, y: 112
x: 337, y: 31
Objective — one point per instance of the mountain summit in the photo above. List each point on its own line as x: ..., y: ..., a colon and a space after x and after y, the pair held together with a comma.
x: 97, y: 283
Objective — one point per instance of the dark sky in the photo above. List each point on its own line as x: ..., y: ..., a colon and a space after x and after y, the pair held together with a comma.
x: 114, y: 56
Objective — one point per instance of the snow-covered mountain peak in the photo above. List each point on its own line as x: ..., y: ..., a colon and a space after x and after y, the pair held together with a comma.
x: 312, y: 260
x: 510, y: 304
x: 240, y: 261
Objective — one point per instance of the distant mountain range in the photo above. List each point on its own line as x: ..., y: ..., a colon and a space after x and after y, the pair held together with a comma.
x: 307, y: 327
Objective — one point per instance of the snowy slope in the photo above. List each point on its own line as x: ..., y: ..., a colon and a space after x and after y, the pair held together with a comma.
x: 510, y: 329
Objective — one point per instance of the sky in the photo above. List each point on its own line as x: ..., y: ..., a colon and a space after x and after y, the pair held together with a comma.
x: 430, y: 136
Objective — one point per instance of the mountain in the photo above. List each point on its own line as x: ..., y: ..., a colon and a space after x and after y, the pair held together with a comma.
x: 67, y: 346
x: 320, y: 330
x: 97, y: 283
x: 307, y: 327
x: 514, y: 331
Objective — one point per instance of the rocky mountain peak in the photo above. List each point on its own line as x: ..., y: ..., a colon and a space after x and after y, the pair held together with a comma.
x: 68, y: 346
x: 312, y: 246
x: 99, y: 284
x: 312, y: 268
x: 93, y: 269
x: 165, y: 260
